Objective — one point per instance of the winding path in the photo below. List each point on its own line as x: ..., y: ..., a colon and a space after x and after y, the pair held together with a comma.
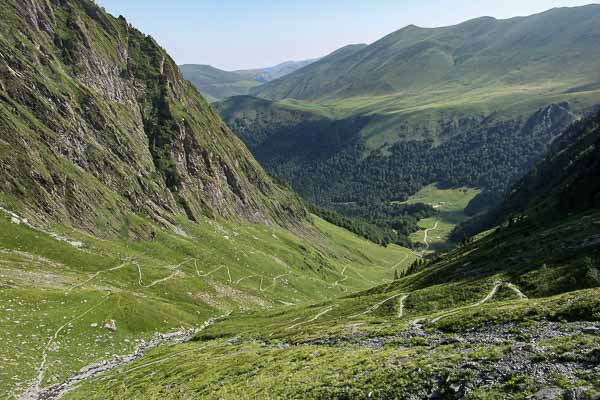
x: 94, y: 276
x: 416, y: 324
x: 246, y: 277
x: 93, y: 370
x: 401, y: 305
x: 515, y: 289
x: 344, y: 278
x: 487, y: 298
x: 316, y: 317
x: 426, y: 237
x: 376, y: 306
x: 34, y: 392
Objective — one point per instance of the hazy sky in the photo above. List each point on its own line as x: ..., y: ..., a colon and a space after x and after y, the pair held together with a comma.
x: 233, y: 34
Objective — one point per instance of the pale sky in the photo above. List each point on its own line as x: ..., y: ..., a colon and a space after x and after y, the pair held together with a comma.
x: 236, y: 34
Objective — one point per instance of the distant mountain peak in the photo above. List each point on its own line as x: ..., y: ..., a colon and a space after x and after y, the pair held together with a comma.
x: 217, y: 84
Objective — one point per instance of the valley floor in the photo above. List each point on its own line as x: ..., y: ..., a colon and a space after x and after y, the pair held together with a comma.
x: 451, y: 203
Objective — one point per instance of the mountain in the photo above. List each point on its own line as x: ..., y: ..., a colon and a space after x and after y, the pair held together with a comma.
x: 557, y: 47
x: 513, y: 313
x: 476, y: 104
x: 278, y: 71
x: 217, y: 84
x: 566, y: 179
x: 129, y: 213
x: 145, y: 254
x: 96, y: 122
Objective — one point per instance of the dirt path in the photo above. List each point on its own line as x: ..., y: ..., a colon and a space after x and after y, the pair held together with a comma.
x: 401, y: 305
x: 426, y: 237
x: 97, y: 274
x: 376, y: 306
x: 35, y: 392
x: 515, y: 289
x: 93, y: 370
x: 487, y: 298
x: 176, y: 273
x: 273, y: 282
x: 168, y: 278
x: 316, y: 317
x: 205, y: 275
x: 401, y: 262
x: 344, y: 278
x: 244, y: 278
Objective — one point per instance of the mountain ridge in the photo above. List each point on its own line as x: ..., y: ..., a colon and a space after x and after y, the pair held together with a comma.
x: 217, y: 84
x: 488, y: 36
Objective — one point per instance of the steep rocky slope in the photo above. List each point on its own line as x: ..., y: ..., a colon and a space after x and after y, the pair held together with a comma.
x: 128, y: 210
x: 96, y: 122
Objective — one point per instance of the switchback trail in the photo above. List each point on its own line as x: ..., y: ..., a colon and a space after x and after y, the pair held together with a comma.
x: 344, y: 278
x: 94, y: 276
x: 487, y: 298
x: 316, y: 317
x: 376, y: 306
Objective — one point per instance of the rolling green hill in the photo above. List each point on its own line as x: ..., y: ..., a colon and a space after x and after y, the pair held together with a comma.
x: 556, y: 50
x: 217, y: 84
x: 421, y: 81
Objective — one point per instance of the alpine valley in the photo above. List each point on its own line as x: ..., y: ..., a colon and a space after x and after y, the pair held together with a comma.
x: 444, y: 242
x: 473, y: 105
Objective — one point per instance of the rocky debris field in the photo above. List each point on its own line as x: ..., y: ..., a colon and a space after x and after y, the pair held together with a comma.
x: 537, y: 355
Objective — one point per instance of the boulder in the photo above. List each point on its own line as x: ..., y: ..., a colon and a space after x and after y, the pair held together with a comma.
x: 591, y: 330
x: 110, y: 325
x: 549, y: 394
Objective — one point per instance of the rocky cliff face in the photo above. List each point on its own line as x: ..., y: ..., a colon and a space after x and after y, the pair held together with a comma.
x: 96, y: 123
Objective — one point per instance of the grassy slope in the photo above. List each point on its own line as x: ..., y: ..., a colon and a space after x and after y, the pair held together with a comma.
x: 46, y: 283
x: 451, y: 204
x: 338, y: 349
